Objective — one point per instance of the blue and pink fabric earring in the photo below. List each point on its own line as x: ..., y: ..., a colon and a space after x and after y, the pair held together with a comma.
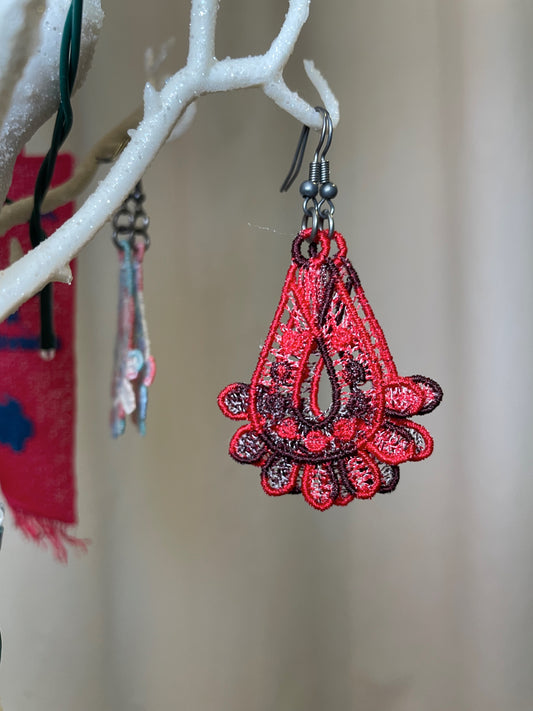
x: 134, y: 365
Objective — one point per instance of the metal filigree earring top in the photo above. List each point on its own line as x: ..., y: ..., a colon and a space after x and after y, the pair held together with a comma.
x: 324, y: 337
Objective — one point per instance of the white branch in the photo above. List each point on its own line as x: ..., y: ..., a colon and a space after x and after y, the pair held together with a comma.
x: 36, y: 95
x: 202, y: 36
x: 323, y: 90
x: 19, y: 20
x: 162, y: 110
x: 104, y: 151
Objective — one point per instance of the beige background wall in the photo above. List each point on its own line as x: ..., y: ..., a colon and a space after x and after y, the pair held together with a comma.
x: 199, y: 592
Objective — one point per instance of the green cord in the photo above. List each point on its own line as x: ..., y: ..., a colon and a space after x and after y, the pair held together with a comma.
x: 68, y: 67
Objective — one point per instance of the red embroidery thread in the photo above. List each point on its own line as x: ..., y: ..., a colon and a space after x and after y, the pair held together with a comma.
x: 323, y: 331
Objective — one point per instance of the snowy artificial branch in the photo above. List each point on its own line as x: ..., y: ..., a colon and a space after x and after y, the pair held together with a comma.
x: 34, y: 87
x: 104, y: 151
x: 163, y: 109
x: 21, y: 19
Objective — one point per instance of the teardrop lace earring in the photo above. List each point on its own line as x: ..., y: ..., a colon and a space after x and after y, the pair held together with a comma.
x: 324, y: 331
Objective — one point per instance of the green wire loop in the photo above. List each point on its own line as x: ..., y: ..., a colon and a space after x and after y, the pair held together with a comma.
x: 68, y: 68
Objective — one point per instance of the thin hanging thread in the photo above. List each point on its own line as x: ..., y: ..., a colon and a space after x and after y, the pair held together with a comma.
x: 68, y: 68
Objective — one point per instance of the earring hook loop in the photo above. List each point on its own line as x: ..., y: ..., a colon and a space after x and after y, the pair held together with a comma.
x: 326, y: 134
x: 320, y: 210
x: 296, y: 161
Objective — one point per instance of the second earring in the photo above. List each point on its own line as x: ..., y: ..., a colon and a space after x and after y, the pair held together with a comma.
x: 134, y: 365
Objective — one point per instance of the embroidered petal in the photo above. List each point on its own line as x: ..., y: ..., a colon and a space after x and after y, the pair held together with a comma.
x: 319, y: 486
x: 363, y: 476
x: 233, y: 401
x: 422, y: 440
x: 432, y: 392
x: 344, y: 497
x: 392, y: 444
x: 403, y: 398
x: 246, y: 446
x: 278, y: 476
x: 390, y: 477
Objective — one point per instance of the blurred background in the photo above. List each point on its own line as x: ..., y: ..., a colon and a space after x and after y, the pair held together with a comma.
x: 201, y: 593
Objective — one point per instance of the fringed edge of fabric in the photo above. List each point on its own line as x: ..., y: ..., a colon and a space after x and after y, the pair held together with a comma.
x: 46, y: 531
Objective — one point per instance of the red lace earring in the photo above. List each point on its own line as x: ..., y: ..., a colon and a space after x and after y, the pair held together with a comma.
x: 324, y: 333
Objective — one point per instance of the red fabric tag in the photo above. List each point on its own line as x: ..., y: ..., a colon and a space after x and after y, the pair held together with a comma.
x: 37, y: 397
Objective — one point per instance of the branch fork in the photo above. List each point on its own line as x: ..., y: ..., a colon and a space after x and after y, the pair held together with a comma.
x: 167, y: 113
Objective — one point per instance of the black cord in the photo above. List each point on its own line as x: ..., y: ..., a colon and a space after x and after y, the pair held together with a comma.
x: 68, y: 67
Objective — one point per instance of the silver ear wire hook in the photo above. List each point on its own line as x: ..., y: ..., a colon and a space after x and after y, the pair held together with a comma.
x: 320, y: 211
x: 296, y: 161
x: 326, y: 134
